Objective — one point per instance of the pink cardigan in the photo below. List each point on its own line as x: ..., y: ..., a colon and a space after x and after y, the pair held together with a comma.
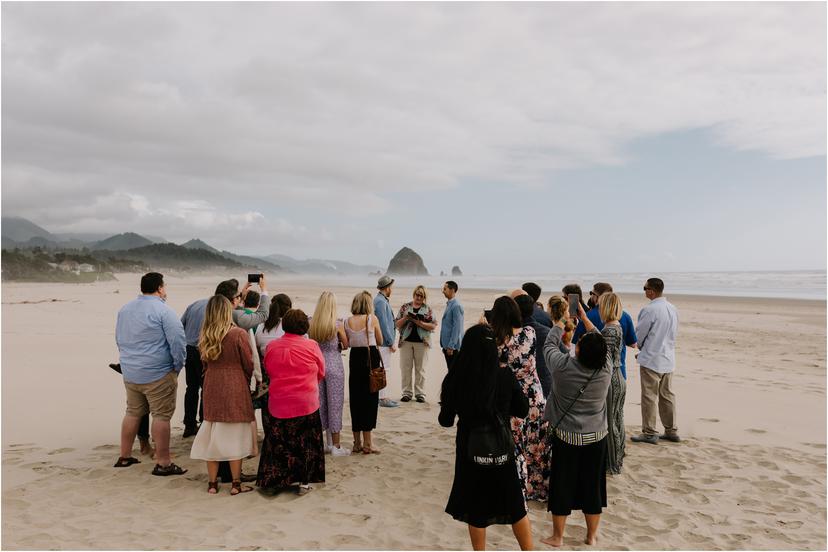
x: 295, y: 366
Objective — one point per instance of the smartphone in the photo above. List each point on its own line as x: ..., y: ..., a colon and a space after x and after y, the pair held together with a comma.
x: 573, y: 304
x: 254, y: 278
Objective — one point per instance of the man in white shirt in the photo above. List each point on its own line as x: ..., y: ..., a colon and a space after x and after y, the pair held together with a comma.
x: 656, y: 330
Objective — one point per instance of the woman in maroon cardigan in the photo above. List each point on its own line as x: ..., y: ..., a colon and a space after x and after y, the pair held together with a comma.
x: 228, y: 365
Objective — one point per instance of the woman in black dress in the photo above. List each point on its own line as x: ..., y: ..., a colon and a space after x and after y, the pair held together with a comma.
x: 474, y: 388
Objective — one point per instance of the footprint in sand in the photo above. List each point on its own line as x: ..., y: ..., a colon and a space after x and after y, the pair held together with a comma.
x: 61, y: 451
x: 755, y: 430
x: 711, y: 420
x: 105, y: 447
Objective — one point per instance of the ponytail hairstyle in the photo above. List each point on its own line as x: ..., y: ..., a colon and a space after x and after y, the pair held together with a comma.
x: 279, y: 305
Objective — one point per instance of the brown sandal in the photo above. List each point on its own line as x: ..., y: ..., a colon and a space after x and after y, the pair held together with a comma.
x: 237, y: 488
x: 212, y: 487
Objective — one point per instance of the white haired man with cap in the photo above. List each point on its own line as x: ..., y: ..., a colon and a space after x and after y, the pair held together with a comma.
x: 385, y: 315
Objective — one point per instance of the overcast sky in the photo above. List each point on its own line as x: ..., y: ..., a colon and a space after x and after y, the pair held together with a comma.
x: 505, y: 138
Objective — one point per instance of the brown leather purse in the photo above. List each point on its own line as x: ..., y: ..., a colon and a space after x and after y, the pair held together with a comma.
x: 376, y: 376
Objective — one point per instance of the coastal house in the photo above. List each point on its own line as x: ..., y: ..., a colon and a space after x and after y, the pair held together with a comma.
x: 85, y: 267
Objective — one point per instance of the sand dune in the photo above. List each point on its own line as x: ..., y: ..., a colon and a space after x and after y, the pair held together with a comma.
x: 751, y: 473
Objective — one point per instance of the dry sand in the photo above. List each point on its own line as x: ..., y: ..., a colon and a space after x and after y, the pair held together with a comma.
x: 750, y: 473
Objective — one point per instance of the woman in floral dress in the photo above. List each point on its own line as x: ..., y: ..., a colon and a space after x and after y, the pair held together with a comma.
x: 516, y: 346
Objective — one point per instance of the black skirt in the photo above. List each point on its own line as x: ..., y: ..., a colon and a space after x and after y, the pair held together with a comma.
x: 579, y: 478
x: 363, y: 404
x: 292, y: 451
x: 483, y: 496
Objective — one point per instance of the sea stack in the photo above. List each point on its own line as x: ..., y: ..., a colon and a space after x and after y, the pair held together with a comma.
x: 455, y: 271
x: 407, y: 263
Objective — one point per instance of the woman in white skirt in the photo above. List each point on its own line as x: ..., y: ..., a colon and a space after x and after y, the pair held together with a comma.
x: 228, y: 365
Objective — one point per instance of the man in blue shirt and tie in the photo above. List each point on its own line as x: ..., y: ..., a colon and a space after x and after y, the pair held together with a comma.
x: 451, y: 328
x: 152, y: 348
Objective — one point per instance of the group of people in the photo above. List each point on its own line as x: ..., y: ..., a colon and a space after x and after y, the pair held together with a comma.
x: 243, y: 351
x: 555, y: 381
x: 558, y: 381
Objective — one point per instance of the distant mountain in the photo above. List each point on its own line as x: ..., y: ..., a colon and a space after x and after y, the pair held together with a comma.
x: 20, y: 230
x: 320, y: 266
x: 172, y: 256
x: 251, y: 262
x: 196, y: 243
x: 122, y: 242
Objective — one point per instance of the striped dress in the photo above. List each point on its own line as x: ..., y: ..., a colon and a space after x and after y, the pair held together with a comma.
x: 615, y: 399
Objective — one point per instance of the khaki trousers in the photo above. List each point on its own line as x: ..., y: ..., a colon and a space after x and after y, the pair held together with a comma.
x: 385, y: 354
x: 656, y: 386
x: 413, y: 355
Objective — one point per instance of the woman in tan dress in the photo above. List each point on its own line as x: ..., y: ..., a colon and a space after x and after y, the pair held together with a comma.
x: 228, y: 365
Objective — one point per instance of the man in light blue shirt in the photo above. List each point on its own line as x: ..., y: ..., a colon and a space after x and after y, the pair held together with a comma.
x: 385, y: 316
x: 151, y: 342
x: 657, y: 328
x: 451, y: 328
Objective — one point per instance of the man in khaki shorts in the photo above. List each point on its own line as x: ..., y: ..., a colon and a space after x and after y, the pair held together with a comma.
x: 152, y: 348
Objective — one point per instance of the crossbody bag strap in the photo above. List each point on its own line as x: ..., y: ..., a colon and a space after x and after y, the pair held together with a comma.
x: 368, y: 342
x: 568, y: 408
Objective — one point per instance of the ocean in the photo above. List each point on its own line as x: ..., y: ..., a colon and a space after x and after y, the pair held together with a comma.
x: 794, y: 284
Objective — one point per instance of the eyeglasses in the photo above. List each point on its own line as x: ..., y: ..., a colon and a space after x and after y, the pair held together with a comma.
x: 420, y: 295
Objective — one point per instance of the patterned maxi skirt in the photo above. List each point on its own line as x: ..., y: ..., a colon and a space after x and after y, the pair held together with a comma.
x: 292, y: 452
x: 615, y: 422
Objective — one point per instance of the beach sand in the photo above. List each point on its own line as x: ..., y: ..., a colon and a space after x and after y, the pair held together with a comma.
x: 750, y: 473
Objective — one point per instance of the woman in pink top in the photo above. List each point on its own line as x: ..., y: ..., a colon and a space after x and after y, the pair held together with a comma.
x: 293, y: 451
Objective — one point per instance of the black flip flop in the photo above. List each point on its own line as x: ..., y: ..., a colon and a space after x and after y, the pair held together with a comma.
x: 126, y: 462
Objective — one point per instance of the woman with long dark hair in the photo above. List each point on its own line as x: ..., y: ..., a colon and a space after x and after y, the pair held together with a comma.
x: 516, y: 346
x: 271, y: 328
x: 475, y: 388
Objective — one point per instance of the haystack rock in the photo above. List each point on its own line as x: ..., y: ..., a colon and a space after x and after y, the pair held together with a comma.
x: 407, y: 263
x: 455, y: 271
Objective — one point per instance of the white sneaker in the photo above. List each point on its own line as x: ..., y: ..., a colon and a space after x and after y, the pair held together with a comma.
x: 328, y: 449
x: 339, y: 451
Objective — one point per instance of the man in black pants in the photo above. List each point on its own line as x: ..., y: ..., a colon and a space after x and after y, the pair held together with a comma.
x: 192, y: 319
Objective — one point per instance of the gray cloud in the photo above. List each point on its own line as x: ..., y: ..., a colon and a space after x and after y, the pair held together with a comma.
x: 332, y: 106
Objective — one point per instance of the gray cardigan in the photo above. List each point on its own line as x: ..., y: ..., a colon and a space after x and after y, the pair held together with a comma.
x: 589, y: 413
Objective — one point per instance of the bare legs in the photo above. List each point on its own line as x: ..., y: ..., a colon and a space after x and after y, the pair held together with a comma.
x: 160, y: 430
x: 212, y: 475
x: 592, y: 528
x: 129, y: 429
x: 522, y: 530
x: 559, y: 522
x: 523, y: 533
x: 478, y: 537
x: 363, y: 442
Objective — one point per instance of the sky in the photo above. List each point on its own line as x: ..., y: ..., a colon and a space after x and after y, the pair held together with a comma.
x: 501, y: 137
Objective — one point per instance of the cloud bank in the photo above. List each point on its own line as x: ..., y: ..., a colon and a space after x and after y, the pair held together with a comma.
x: 211, y: 119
